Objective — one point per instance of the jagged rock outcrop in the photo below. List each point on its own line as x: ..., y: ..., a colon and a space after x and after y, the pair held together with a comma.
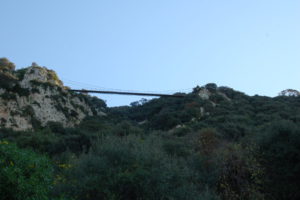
x: 212, y: 94
x: 40, y: 74
x: 211, y: 90
x: 204, y: 94
x: 34, y: 96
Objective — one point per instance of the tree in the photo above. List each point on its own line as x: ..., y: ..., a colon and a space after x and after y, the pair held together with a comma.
x: 280, y: 147
x: 6, y: 65
x: 212, y: 87
x: 289, y: 92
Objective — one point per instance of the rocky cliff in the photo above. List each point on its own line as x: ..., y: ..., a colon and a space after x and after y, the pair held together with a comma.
x: 32, y: 97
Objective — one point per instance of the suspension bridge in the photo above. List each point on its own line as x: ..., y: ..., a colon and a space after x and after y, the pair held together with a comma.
x: 102, y: 90
x: 128, y: 93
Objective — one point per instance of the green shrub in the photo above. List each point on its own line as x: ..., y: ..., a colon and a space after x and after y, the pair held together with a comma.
x: 24, y: 174
x: 94, y: 124
x: 279, y: 145
x: 176, y: 148
x: 53, y: 76
x: 7, y: 81
x: 209, y: 194
x: 20, y: 73
x: 125, y: 128
x: 20, y: 91
x: 205, y: 170
x: 40, y: 141
x: 208, y: 141
x: 241, y: 174
x: 8, y: 96
x: 6, y: 65
x: 127, y: 168
x: 56, y: 142
x: 182, y: 131
x: 212, y: 87
x: 165, y: 121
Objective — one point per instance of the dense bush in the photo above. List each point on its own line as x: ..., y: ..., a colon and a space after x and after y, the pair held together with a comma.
x: 280, y: 155
x: 51, y: 141
x: 165, y: 121
x: 7, y: 80
x: 212, y: 87
x: 240, y: 173
x: 128, y: 168
x: 6, y: 65
x: 24, y: 174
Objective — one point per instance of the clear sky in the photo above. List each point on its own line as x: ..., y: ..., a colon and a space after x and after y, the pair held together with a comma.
x: 157, y: 45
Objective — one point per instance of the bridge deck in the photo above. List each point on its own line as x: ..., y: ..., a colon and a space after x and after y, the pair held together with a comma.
x: 128, y: 93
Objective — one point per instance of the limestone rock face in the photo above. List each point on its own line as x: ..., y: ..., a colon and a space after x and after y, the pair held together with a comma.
x: 39, y: 97
x: 40, y: 74
x: 204, y: 94
x: 211, y: 94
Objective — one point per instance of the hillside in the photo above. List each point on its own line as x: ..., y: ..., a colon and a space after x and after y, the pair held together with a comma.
x: 214, y: 143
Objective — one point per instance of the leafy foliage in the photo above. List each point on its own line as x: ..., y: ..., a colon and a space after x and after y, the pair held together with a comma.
x: 128, y: 168
x: 6, y: 65
x: 23, y: 174
x: 280, y: 147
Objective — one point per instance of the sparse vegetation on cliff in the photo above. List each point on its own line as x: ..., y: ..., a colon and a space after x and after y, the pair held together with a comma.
x: 38, y: 85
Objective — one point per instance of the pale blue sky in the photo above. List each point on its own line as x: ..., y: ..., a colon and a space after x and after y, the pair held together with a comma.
x: 157, y: 45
